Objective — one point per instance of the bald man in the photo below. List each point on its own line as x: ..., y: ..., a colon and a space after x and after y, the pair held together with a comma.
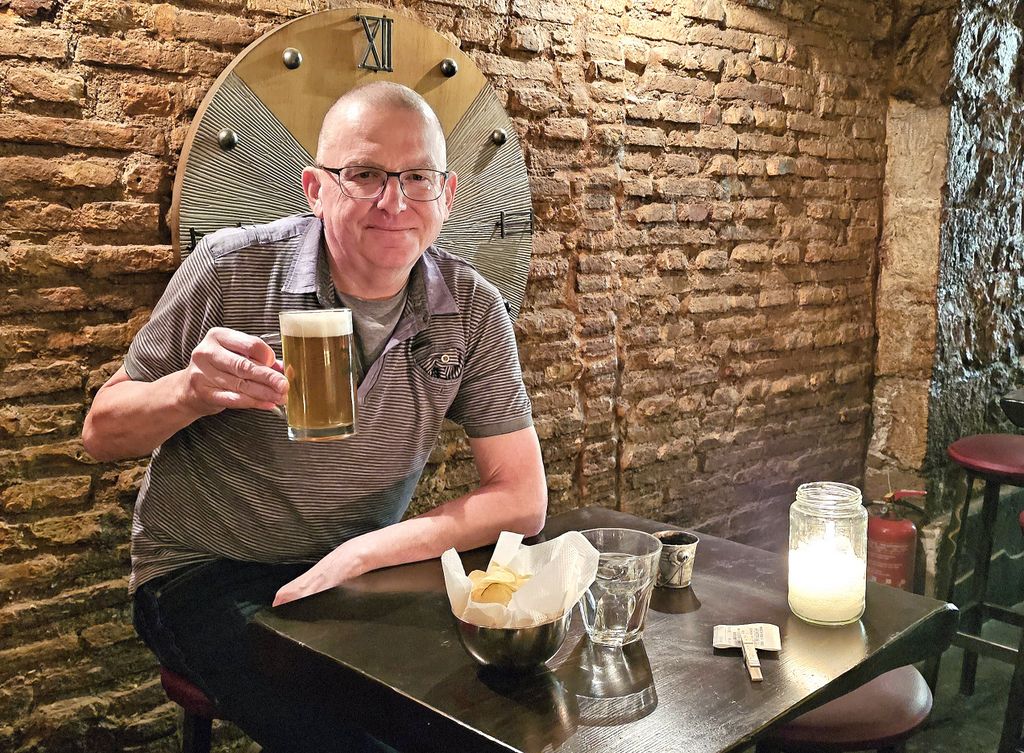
x: 231, y: 516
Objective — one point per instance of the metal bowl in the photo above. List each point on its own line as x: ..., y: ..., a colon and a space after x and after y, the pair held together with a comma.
x: 514, y: 648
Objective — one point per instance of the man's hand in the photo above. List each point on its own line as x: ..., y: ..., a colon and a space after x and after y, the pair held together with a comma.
x: 332, y: 570
x: 230, y: 369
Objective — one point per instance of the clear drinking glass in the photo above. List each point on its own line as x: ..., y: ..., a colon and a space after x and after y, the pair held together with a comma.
x: 614, y: 608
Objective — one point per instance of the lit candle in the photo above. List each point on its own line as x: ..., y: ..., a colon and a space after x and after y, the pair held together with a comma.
x: 826, y: 582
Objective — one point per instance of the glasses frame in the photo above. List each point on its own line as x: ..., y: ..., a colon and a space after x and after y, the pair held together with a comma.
x: 388, y: 174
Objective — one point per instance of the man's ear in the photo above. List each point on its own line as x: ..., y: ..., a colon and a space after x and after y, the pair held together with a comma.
x: 449, y: 193
x: 311, y: 187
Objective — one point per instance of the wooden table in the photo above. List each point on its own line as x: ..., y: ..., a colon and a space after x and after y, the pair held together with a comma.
x: 386, y: 647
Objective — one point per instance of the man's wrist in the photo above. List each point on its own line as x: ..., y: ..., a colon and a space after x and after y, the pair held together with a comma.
x: 183, y: 402
x: 357, y: 555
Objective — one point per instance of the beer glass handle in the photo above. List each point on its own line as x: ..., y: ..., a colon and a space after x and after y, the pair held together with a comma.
x: 272, y: 339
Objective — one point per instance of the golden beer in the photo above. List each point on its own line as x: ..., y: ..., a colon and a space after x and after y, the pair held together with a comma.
x: 317, y: 349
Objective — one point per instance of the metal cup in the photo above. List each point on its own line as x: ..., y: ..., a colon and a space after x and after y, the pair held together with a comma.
x: 675, y: 566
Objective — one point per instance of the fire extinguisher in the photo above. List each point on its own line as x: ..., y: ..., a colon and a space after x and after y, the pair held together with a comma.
x: 892, y: 540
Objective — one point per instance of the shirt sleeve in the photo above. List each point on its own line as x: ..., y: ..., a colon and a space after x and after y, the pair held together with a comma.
x: 188, y: 309
x: 492, y: 398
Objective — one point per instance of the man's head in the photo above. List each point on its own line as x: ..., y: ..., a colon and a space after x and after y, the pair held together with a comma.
x: 374, y: 242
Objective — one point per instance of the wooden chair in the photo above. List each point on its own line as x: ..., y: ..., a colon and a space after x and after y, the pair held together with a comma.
x: 879, y: 715
x: 200, y: 711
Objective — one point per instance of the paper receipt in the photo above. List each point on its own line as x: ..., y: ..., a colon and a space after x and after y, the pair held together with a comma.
x: 762, y: 634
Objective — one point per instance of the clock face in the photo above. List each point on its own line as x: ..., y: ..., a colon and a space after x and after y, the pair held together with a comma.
x: 257, y: 129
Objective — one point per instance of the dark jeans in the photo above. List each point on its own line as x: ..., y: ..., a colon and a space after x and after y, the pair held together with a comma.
x: 195, y: 621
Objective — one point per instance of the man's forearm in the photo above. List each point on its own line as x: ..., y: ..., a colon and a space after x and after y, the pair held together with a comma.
x: 512, y: 496
x: 130, y: 419
x: 473, y: 520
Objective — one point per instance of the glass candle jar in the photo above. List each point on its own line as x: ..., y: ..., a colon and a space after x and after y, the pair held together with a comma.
x: 828, y: 532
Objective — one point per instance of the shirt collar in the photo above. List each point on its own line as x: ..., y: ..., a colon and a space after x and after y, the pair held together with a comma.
x: 310, y: 273
x: 302, y: 276
x: 430, y: 285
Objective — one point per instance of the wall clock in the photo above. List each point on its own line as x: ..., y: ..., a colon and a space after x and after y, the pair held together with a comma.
x: 258, y: 125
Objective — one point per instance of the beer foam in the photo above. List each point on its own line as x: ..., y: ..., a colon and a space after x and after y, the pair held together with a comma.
x: 323, y: 323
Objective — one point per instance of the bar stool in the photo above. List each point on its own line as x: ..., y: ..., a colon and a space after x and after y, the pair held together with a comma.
x: 879, y: 715
x: 998, y: 459
x: 200, y: 711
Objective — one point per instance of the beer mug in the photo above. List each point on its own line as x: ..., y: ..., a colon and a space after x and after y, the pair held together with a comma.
x: 318, y: 361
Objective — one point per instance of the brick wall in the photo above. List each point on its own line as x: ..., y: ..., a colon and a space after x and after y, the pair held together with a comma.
x: 697, y: 336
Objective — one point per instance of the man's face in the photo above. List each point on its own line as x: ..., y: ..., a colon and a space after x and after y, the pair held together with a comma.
x: 377, y: 241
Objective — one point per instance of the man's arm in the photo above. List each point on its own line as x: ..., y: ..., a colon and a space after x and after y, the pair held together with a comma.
x: 228, y: 369
x: 512, y: 496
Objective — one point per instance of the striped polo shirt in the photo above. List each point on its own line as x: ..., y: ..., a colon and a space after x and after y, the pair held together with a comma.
x: 232, y: 485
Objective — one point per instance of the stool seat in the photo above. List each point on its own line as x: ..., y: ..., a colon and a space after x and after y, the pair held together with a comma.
x: 879, y: 714
x: 991, y: 454
x: 200, y: 711
x: 187, y: 695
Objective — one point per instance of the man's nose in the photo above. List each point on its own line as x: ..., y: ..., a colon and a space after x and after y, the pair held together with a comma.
x: 392, y: 199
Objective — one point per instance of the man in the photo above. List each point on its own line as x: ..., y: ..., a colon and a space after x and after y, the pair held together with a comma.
x: 231, y: 514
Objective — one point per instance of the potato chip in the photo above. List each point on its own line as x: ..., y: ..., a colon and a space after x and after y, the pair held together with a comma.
x: 476, y: 576
x: 494, y: 593
x: 495, y: 586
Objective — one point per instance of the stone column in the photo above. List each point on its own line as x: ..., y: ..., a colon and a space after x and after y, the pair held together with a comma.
x: 917, y: 124
x: 905, y: 297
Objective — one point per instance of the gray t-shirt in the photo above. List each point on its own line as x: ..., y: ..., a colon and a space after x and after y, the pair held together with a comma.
x: 374, y: 321
x: 232, y: 485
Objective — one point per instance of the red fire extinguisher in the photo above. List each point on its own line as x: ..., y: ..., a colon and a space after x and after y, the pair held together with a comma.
x: 892, y: 540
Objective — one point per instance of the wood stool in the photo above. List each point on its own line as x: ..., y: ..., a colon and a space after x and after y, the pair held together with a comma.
x: 879, y: 715
x: 200, y: 711
x: 998, y: 459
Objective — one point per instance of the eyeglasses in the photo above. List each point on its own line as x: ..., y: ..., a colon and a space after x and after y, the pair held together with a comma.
x: 358, y: 182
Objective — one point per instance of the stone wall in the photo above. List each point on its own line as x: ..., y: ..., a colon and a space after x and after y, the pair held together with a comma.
x: 980, y: 335
x: 980, y: 325
x: 698, y: 332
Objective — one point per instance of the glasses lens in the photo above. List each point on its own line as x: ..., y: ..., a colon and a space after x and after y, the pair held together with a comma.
x: 422, y: 185
x: 361, y: 182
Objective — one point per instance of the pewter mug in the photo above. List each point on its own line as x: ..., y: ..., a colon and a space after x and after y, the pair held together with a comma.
x: 675, y: 567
